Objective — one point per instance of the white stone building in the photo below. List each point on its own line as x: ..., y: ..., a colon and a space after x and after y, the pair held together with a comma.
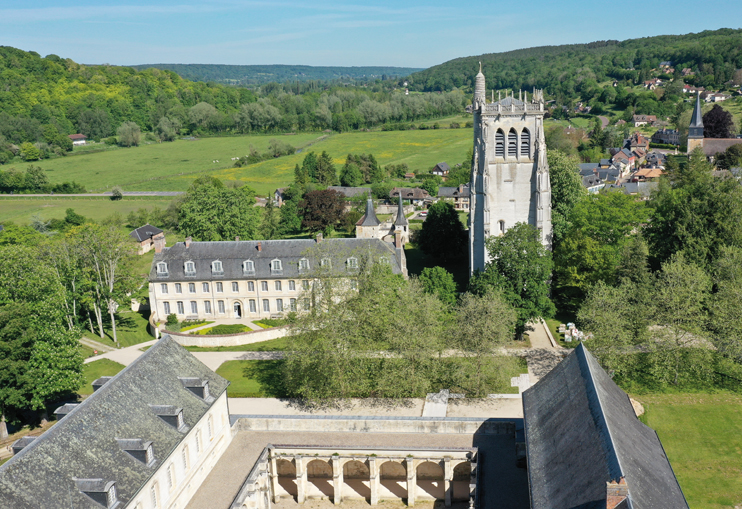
x: 510, y: 173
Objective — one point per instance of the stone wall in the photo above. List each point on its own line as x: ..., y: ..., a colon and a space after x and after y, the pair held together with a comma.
x: 242, y: 338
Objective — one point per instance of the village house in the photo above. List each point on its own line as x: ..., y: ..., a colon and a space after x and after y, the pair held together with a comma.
x: 148, y: 237
x: 715, y: 97
x: 78, y: 139
x: 688, y: 89
x: 459, y: 195
x: 255, y: 279
x: 441, y: 170
x: 666, y: 136
x: 416, y: 195
x: 640, y: 120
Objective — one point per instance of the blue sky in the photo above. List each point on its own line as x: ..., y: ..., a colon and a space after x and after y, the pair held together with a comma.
x: 409, y: 33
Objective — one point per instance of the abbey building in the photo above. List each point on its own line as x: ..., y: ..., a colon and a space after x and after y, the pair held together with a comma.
x: 510, y: 174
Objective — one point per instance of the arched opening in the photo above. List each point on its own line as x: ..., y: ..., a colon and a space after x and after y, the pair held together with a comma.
x: 319, y: 477
x: 461, y: 476
x: 512, y: 143
x: 393, y: 480
x: 430, y: 480
x: 356, y: 476
x: 525, y: 143
x: 499, y: 143
x: 286, y: 471
x: 237, y: 310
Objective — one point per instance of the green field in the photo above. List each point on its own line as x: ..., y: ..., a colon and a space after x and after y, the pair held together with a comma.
x: 139, y: 168
x: 702, y: 435
x: 96, y: 369
x: 173, y: 166
x: 20, y: 209
x: 253, y: 379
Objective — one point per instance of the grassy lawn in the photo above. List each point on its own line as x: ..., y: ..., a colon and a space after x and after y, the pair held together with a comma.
x: 253, y: 379
x: 96, y: 369
x: 140, y: 168
x: 272, y: 345
x: 20, y: 209
x: 419, y: 149
x: 702, y: 435
x: 131, y: 329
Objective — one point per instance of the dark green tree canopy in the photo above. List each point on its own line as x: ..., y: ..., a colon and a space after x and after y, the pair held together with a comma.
x: 718, y: 123
x: 443, y: 236
x: 321, y: 209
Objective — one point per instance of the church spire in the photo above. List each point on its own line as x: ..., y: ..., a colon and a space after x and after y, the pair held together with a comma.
x: 695, y: 129
x: 370, y: 218
x: 401, y: 220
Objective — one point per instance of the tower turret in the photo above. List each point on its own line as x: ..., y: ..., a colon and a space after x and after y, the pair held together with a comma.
x: 695, y: 129
x: 480, y: 91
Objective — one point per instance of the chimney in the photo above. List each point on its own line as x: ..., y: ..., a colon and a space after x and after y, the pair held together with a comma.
x: 159, y: 242
x: 260, y: 246
x: 319, y: 237
x: 398, y: 240
x: 616, y: 493
x: 236, y: 239
x: 188, y: 241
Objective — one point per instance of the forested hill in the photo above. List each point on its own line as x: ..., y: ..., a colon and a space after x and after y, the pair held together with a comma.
x: 260, y: 74
x: 560, y: 70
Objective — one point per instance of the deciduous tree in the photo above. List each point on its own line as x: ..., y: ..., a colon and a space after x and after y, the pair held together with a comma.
x: 443, y: 236
x: 321, y: 209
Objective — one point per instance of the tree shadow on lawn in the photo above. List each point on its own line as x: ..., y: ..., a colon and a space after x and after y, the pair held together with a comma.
x: 270, y: 376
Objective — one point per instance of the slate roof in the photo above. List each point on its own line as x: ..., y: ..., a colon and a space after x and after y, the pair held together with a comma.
x: 713, y: 146
x: 589, y: 168
x: 350, y: 192
x: 369, y: 218
x: 401, y: 220
x: 409, y: 193
x: 145, y: 232
x: 233, y: 253
x: 453, y: 192
x: 83, y: 444
x: 695, y: 129
x: 591, y: 181
x: 442, y: 168
x: 581, y: 432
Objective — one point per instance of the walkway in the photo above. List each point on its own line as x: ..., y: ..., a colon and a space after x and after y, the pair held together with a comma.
x: 96, y: 345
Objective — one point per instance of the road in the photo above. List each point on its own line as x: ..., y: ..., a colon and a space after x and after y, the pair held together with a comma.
x: 87, y: 195
x: 603, y: 121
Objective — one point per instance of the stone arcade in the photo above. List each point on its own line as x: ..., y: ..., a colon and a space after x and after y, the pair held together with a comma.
x: 510, y: 174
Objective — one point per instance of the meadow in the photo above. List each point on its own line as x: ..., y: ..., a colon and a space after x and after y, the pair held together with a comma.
x: 702, y: 436
x: 173, y: 166
x: 20, y: 209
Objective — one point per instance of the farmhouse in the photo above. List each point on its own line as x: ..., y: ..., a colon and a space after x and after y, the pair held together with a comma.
x: 78, y: 139
x: 256, y: 279
x: 459, y: 195
x: 148, y: 237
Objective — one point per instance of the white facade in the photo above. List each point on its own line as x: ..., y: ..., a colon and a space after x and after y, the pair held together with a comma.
x: 510, y: 173
x: 179, y: 475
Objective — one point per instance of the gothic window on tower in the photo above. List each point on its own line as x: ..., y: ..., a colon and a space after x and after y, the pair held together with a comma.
x: 502, y: 227
x: 512, y: 143
x: 499, y: 144
x: 525, y: 143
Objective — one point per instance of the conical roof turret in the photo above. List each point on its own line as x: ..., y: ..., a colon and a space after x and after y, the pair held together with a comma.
x: 697, y: 119
x: 370, y: 218
x: 479, y: 86
x: 401, y: 220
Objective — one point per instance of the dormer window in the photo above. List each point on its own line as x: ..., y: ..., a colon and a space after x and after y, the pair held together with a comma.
x: 303, y: 264
x: 171, y: 415
x: 100, y: 491
x: 197, y: 386
x: 248, y: 267
x: 190, y: 269
x: 276, y: 267
x: 352, y: 263
x: 216, y: 268
x: 325, y: 263
x: 138, y: 449
x: 162, y: 269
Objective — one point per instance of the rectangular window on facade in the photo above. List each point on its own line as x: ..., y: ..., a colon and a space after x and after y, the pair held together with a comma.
x: 166, y: 307
x: 292, y: 286
x: 306, y: 304
x: 198, y: 442
x: 220, y: 305
x: 178, y: 288
x: 207, y: 307
x: 235, y: 287
x: 250, y: 286
x: 353, y: 284
x: 181, y: 309
x: 292, y: 304
x: 266, y: 306
x: 185, y: 459
x: 305, y: 284
x: 163, y: 288
x: 264, y: 286
x: 170, y: 478
x: 278, y: 286
x: 154, y: 496
x: 191, y: 287
x: 194, y: 307
x: 219, y: 288
x: 253, y: 308
x: 279, y: 305
x: 205, y: 287
x: 209, y: 424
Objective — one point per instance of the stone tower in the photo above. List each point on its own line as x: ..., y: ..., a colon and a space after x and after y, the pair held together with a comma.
x: 695, y: 129
x: 510, y: 174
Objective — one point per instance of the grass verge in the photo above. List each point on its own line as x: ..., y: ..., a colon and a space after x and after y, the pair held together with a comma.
x: 702, y: 436
x: 96, y: 369
x: 253, y: 379
x: 272, y: 345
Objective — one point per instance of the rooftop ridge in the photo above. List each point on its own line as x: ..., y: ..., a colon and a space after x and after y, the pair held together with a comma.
x: 584, y: 358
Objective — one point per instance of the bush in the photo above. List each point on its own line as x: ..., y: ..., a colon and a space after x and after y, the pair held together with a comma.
x: 116, y: 193
x: 454, y: 125
x: 172, y: 322
x: 232, y: 328
x: 110, y: 140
